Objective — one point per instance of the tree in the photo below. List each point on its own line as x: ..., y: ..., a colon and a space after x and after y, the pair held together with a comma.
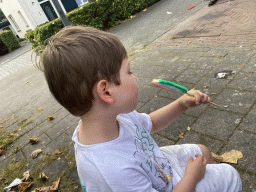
x: 2, y: 16
x: 90, y: 1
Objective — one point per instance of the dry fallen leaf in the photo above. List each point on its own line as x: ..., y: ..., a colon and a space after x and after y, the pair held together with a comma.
x: 56, y: 151
x: 206, y: 86
x: 245, y: 78
x: 132, y: 16
x: 228, y: 157
x: 40, y: 109
x: 145, y: 10
x: 157, y: 45
x: 53, y: 187
x: 232, y: 156
x: 24, y: 186
x: 35, y: 153
x: 214, y: 94
x: 33, y: 140
x: 189, y: 128
x: 181, y: 135
x: 1, y: 152
x: 43, y: 176
x: 1, y: 146
x: 26, y: 176
x: 50, y: 118
x: 217, y: 158
x: 188, y: 42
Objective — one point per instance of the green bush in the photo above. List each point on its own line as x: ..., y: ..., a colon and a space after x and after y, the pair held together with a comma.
x: 101, y: 14
x: 9, y: 40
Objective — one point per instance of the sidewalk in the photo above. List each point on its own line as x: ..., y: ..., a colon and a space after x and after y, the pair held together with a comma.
x: 179, y: 56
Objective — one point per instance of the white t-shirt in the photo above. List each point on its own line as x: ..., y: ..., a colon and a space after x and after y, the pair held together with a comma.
x: 130, y: 162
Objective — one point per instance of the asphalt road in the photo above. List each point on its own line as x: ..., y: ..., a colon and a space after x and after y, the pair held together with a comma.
x: 147, y: 26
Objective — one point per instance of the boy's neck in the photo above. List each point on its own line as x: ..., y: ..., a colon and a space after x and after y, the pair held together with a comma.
x: 98, y: 128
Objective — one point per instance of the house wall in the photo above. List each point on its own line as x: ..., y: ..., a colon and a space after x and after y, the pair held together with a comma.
x: 16, y: 16
x: 26, y: 15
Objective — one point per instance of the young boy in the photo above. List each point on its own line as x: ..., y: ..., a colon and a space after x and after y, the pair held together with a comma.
x: 88, y: 73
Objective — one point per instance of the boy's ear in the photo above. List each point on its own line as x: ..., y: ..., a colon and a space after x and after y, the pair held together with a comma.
x: 104, y: 91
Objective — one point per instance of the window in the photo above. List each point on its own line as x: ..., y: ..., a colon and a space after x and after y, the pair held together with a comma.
x: 14, y: 22
x: 23, y: 19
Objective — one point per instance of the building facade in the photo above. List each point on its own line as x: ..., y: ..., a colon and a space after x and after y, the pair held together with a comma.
x: 26, y: 15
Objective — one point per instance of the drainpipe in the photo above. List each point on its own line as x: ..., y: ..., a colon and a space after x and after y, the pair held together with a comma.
x: 61, y: 13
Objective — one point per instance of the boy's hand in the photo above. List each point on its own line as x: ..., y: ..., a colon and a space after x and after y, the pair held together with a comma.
x: 195, y: 169
x: 194, y: 98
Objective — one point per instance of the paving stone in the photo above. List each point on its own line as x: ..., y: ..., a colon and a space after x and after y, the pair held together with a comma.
x: 217, y: 52
x: 210, y: 86
x: 248, y: 182
x: 72, y: 177
x: 7, y: 119
x: 243, y: 48
x: 246, y: 143
x: 166, y: 76
x: 59, y: 115
x: 40, y: 129
x: 196, y: 111
x: 161, y: 141
x: 197, y: 138
x: 152, y: 72
x: 59, y: 128
x: 178, y: 126
x: 43, y: 140
x: 73, y: 118
x: 238, y: 58
x: 140, y: 104
x: 244, y: 81
x: 204, y: 63
x: 143, y: 81
x: 147, y: 92
x: 177, y: 67
x: 13, y: 158
x: 71, y: 129
x: 251, y: 66
x: 55, y: 168
x: 191, y: 75
x: 219, y: 68
x: 190, y: 56
x: 237, y: 101
x: 5, y: 112
x: 13, y: 127
x: 18, y: 144
x: 249, y: 122
x: 60, y: 141
x: 154, y: 104
x: 216, y: 123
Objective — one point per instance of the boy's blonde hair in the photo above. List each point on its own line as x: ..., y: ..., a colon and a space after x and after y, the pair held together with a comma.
x: 75, y: 59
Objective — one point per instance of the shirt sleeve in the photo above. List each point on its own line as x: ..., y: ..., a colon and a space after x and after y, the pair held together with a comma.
x: 144, y: 119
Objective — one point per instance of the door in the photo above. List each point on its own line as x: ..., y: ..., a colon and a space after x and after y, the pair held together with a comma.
x: 69, y: 4
x: 49, y: 11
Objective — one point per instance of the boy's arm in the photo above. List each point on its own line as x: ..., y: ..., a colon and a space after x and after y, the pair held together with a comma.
x: 164, y: 116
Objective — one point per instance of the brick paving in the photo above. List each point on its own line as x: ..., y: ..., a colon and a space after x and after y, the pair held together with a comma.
x: 221, y: 128
x: 229, y: 23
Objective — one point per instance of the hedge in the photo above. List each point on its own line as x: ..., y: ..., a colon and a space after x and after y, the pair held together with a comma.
x: 102, y: 14
x: 9, y: 40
